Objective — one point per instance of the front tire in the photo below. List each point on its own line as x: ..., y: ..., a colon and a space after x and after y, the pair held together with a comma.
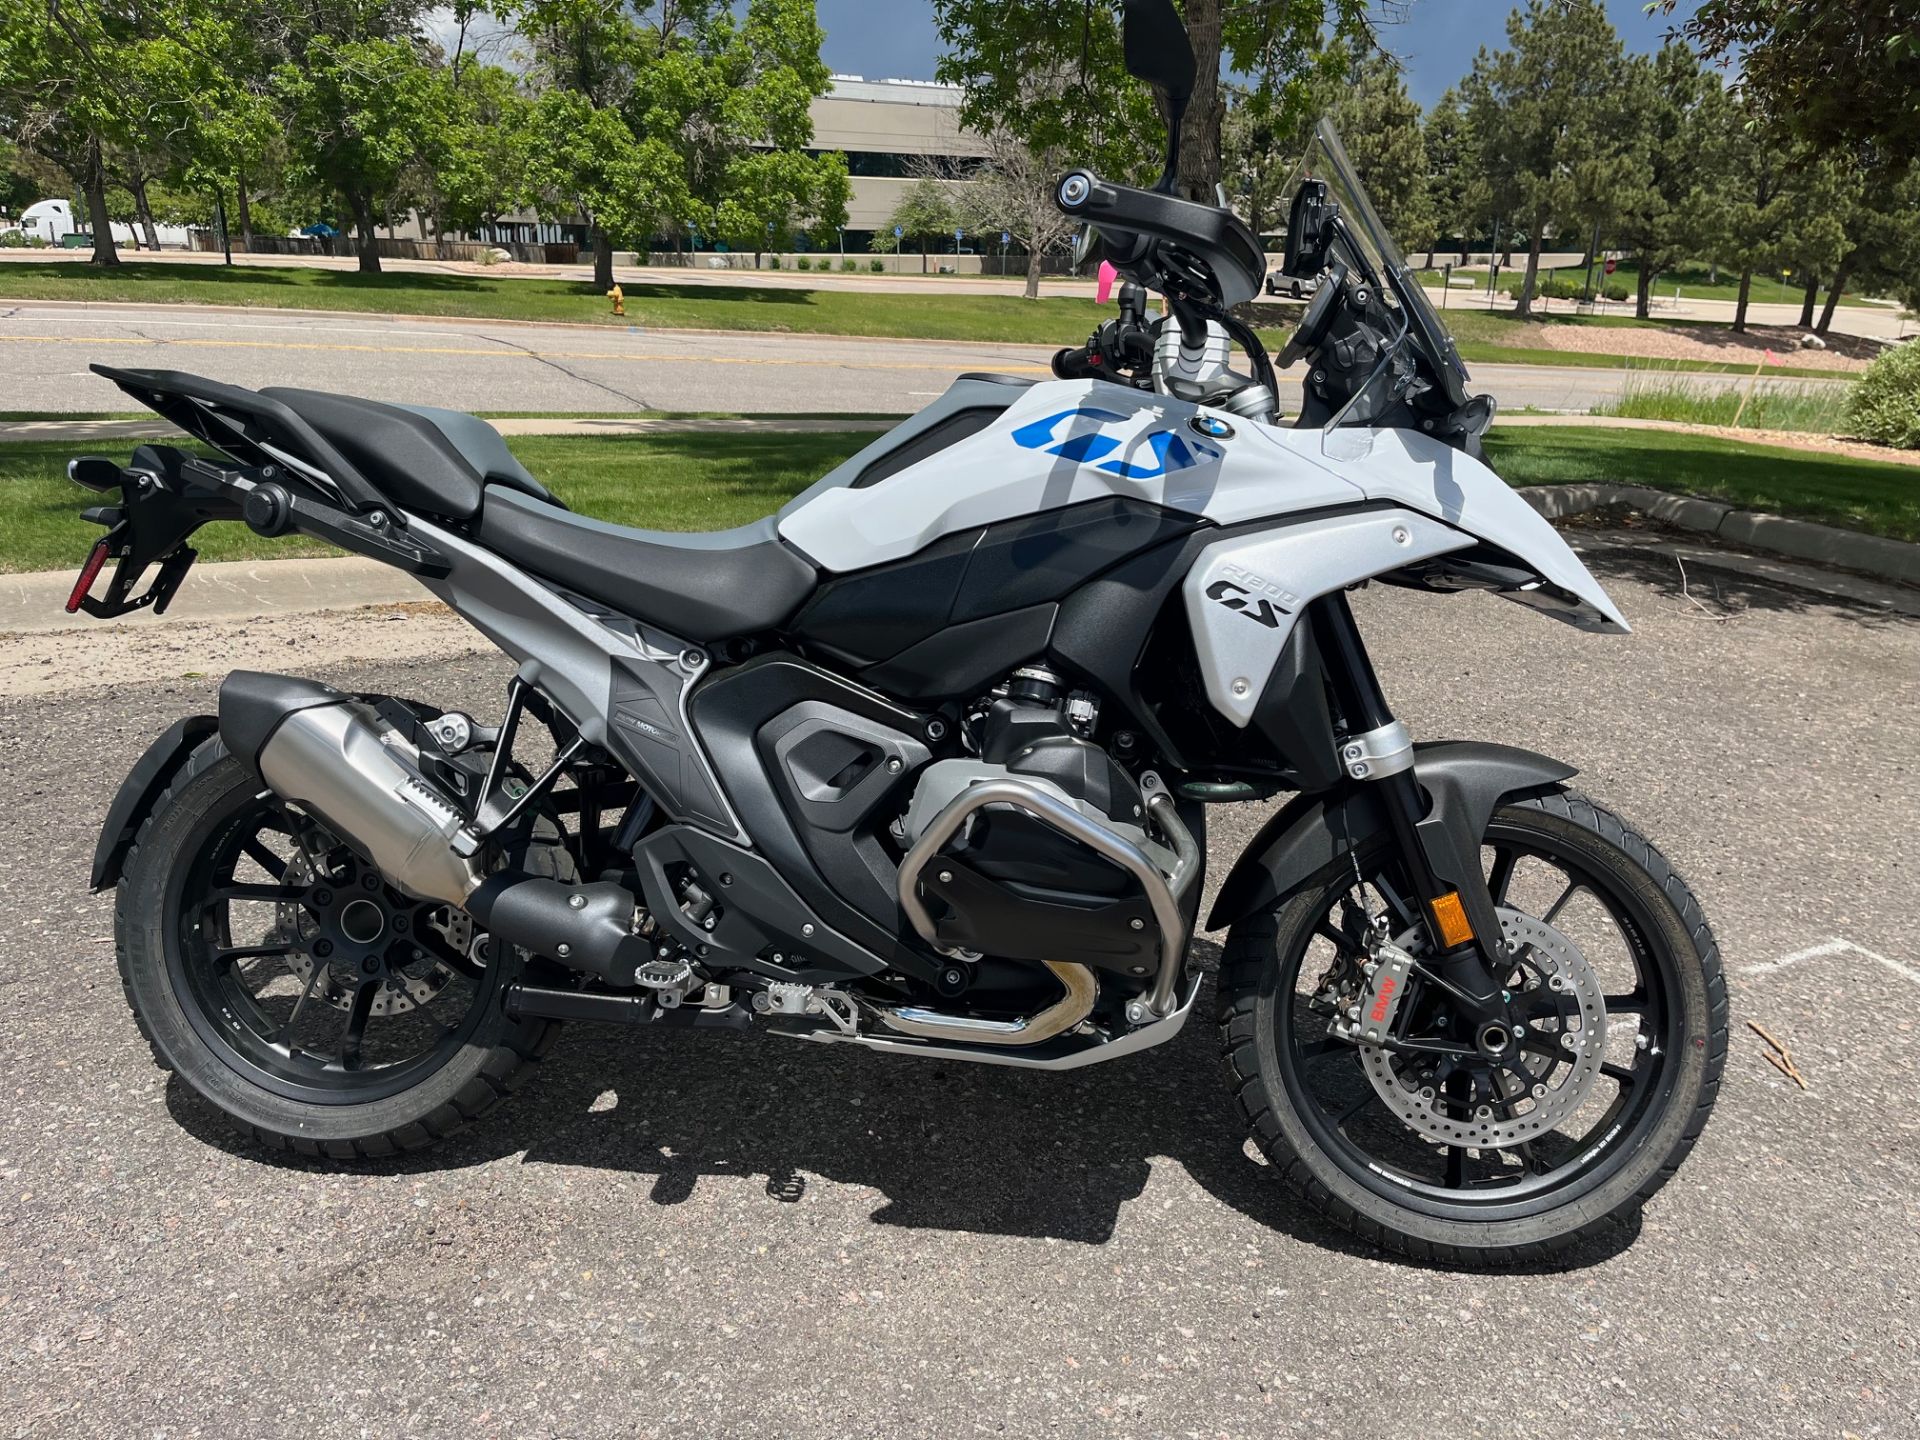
x: 1306, y: 1099
x: 243, y: 992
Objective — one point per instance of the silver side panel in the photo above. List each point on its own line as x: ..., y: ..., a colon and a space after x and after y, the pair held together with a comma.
x: 623, y: 684
x: 1244, y: 596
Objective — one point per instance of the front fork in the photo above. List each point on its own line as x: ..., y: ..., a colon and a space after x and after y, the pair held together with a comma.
x: 1449, y: 889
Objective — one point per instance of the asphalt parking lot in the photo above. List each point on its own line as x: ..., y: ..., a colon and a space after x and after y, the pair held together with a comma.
x: 721, y: 1235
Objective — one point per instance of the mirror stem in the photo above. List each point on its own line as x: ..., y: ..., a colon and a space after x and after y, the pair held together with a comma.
x: 1170, y: 175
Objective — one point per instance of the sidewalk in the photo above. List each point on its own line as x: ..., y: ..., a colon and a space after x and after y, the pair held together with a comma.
x: 82, y: 431
x: 219, y: 591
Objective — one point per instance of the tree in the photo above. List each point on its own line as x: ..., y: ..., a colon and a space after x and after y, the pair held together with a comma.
x: 1256, y: 161
x: 747, y: 134
x: 686, y: 111
x: 1380, y: 126
x: 584, y: 160
x: 1457, y: 192
x: 1883, y: 240
x: 1835, y: 72
x: 1052, y: 74
x: 483, y: 172
x: 359, y: 114
x: 924, y: 211
x: 1550, y: 122
x: 1659, y: 215
x: 1013, y: 190
x: 62, y: 97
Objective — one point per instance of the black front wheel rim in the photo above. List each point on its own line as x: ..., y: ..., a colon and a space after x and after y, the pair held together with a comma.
x: 1352, y: 1124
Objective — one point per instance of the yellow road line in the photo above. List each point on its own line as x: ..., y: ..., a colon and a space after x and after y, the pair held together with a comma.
x: 494, y: 354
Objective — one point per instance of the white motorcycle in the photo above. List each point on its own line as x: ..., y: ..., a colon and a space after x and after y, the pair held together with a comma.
x: 921, y: 763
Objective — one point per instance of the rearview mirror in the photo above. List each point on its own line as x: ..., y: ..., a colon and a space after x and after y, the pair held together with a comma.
x: 1157, y: 49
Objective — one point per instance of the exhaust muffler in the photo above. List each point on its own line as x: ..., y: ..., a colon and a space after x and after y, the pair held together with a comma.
x: 335, y: 757
x: 339, y: 760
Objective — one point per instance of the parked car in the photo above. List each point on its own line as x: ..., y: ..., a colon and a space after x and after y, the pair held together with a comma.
x: 1290, y: 285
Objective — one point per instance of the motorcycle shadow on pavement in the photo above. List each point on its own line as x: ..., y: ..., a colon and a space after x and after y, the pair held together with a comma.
x: 980, y: 1149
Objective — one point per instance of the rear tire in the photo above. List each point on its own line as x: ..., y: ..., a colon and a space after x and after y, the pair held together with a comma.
x: 494, y: 1055
x: 1310, y: 1155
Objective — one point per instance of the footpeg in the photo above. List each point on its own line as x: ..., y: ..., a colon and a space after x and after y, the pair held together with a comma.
x: 669, y: 980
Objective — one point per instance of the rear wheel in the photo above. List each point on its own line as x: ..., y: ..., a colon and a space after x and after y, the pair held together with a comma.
x: 1445, y: 1146
x: 280, y: 976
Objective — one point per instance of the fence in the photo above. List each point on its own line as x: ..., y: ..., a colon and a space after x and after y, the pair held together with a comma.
x: 393, y: 249
x: 908, y: 262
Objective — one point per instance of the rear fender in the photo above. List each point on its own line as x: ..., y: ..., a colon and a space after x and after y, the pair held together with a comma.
x: 141, y: 791
x: 1464, y: 782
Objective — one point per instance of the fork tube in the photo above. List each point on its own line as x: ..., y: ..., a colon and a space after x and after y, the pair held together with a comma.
x: 1364, y: 706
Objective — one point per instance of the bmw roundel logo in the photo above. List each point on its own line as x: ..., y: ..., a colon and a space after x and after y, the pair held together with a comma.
x: 1211, y: 426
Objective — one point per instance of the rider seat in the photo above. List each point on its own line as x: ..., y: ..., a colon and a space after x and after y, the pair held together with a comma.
x: 703, y: 587
x: 452, y: 466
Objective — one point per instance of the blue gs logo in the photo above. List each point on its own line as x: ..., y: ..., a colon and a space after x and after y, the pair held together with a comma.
x: 1171, y: 450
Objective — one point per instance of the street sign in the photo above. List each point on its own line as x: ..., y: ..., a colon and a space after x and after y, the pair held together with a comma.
x: 958, y: 233
x: 1612, y: 264
x: 1005, y: 238
x: 896, y: 232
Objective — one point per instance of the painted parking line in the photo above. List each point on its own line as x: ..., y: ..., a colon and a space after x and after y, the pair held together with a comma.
x: 1835, y: 946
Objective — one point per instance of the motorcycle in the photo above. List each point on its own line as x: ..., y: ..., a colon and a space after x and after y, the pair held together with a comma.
x: 921, y: 763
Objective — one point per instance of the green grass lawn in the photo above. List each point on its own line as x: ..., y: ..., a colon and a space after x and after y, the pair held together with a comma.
x: 1491, y: 338
x: 990, y: 319
x: 1055, y: 320
x: 1695, y: 282
x: 666, y: 482
x: 1875, y: 496
x: 711, y: 481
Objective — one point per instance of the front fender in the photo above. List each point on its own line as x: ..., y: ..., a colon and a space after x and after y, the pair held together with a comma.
x: 1464, y: 781
x: 141, y: 790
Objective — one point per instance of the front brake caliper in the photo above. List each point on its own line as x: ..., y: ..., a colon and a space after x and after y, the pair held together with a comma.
x: 1371, y: 1021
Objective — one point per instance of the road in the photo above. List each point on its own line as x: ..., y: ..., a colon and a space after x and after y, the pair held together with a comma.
x: 45, y: 351
x: 722, y: 1235
x: 1882, y: 321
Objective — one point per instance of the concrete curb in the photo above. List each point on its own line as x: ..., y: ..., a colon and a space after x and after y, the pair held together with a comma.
x: 1802, y: 539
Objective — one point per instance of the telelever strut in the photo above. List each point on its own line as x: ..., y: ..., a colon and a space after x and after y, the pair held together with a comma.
x: 1456, y: 908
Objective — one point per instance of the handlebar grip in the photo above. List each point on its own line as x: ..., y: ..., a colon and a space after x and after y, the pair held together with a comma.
x: 1073, y: 364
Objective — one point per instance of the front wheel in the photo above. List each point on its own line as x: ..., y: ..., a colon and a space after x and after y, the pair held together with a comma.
x: 1435, y: 1148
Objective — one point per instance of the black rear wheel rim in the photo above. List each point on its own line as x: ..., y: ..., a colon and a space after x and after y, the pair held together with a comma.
x: 306, y: 973
x: 1352, y: 1124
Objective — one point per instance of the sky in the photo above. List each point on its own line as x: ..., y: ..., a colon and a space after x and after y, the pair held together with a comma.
x: 1436, y: 41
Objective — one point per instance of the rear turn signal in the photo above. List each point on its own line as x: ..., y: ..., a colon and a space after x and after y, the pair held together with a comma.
x: 1451, y: 916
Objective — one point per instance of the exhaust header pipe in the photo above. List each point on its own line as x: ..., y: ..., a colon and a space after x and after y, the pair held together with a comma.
x: 335, y: 757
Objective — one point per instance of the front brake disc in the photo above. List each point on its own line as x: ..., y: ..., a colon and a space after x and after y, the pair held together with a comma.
x: 1536, y: 1090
